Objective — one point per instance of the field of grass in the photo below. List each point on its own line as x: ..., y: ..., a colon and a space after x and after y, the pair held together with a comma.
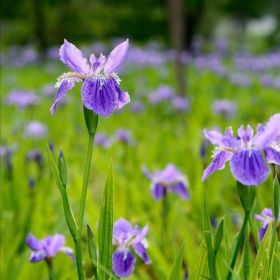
x: 30, y: 200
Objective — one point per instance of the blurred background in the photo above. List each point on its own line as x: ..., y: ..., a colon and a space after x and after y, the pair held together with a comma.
x: 45, y: 23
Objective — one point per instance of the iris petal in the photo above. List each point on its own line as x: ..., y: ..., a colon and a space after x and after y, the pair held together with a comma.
x: 218, y: 163
x: 141, y: 251
x: 181, y: 190
x: 249, y: 167
x: 158, y: 191
x: 272, y: 155
x: 123, y: 263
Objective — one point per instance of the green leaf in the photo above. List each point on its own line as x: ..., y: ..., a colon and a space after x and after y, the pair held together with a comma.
x: 219, y: 236
x: 246, y: 257
x: 92, y: 250
x: 91, y: 120
x: 105, y: 228
x: 62, y: 168
x: 70, y: 220
x: 176, y: 270
x: 260, y: 268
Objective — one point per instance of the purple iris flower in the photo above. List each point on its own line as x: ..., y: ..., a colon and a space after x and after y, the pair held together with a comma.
x: 168, y: 180
x: 247, y: 162
x: 22, y: 99
x: 126, y: 237
x: 224, y: 107
x: 47, y: 248
x: 266, y: 217
x: 100, y: 89
x: 103, y: 140
x: 125, y: 136
x: 35, y: 130
x: 180, y: 103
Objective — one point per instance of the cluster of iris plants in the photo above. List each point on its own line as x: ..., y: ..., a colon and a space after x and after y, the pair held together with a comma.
x: 118, y: 245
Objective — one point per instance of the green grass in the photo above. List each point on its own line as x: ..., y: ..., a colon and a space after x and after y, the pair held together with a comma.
x: 161, y: 137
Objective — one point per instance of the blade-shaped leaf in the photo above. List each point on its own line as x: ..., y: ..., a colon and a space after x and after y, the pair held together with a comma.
x: 105, y: 228
x: 176, y: 270
x: 219, y: 236
x: 92, y: 250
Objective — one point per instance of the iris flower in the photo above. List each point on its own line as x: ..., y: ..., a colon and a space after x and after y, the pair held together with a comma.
x: 126, y: 237
x: 266, y: 217
x: 168, y: 180
x: 247, y: 154
x: 47, y: 248
x: 100, y: 91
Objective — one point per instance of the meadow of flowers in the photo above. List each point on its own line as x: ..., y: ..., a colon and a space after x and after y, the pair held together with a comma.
x: 107, y: 173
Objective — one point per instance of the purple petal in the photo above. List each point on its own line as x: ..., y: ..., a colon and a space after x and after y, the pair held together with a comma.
x: 245, y: 134
x: 269, y: 133
x: 116, y: 57
x: 100, y: 96
x: 54, y: 246
x: 123, y: 98
x: 33, y: 243
x: 123, y: 263
x: 37, y: 256
x: 68, y: 251
x: 158, y: 191
x: 218, y: 163
x: 272, y: 155
x: 141, y: 251
x: 140, y: 234
x: 122, y: 230
x: 65, y: 86
x: 73, y: 58
x: 181, y: 190
x: 249, y: 167
x: 262, y: 231
x: 97, y: 64
x: 216, y: 138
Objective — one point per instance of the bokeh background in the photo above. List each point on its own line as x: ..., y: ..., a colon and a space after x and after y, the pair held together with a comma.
x: 191, y: 65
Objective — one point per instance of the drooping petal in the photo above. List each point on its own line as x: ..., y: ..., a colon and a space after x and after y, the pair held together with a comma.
x: 141, y: 251
x: 33, y: 243
x: 116, y: 57
x: 71, y: 56
x: 100, y: 96
x: 158, y: 191
x: 262, y: 231
x: 65, y: 86
x: 140, y: 234
x: 123, y: 263
x: 218, y: 163
x: 249, y: 167
x: 269, y: 133
x: 181, y: 189
x: 37, y: 256
x: 55, y: 245
x: 272, y: 155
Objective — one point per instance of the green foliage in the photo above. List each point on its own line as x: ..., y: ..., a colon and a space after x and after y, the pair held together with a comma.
x: 176, y: 270
x: 105, y: 229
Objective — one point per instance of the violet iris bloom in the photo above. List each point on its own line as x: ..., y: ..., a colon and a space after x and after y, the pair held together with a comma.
x: 103, y: 140
x: 266, y: 217
x: 125, y: 237
x: 247, y: 162
x: 224, y: 107
x: 22, y: 99
x: 125, y: 136
x: 168, y: 180
x: 35, y: 130
x: 100, y: 89
x: 47, y: 248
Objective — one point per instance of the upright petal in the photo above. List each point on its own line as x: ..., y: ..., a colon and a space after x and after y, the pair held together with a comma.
x: 272, y: 155
x: 55, y: 245
x: 181, y: 189
x: 122, y: 231
x: 218, y: 163
x: 116, y: 57
x: 141, y: 251
x: 33, y: 243
x: 97, y: 64
x: 249, y: 167
x: 245, y: 134
x: 100, y: 96
x: 269, y: 133
x: 158, y: 191
x: 123, y: 263
x: 71, y: 56
x: 65, y: 86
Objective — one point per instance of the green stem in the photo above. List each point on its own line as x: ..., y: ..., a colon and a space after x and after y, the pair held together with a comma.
x: 238, y: 244
x: 79, y: 259
x: 85, y: 184
x: 50, y: 269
